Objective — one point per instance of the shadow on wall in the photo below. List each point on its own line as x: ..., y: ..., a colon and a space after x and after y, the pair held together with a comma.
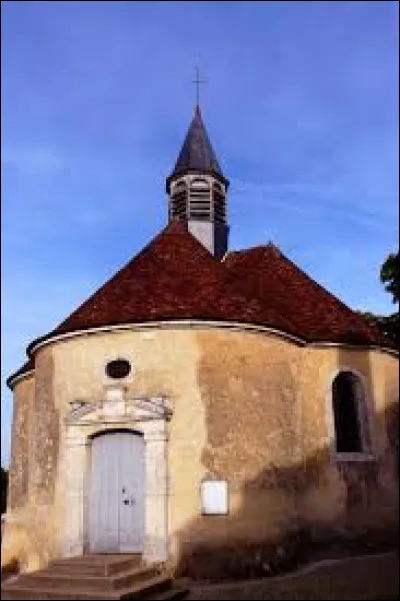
x: 392, y: 428
x: 291, y: 499
x: 4, y: 489
x: 360, y: 499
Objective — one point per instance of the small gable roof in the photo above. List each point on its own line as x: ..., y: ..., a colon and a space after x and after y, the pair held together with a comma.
x: 316, y: 314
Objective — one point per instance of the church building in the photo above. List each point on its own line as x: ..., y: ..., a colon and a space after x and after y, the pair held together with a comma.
x: 202, y: 400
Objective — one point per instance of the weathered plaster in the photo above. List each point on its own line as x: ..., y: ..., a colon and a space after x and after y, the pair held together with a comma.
x: 248, y: 407
x: 21, y: 435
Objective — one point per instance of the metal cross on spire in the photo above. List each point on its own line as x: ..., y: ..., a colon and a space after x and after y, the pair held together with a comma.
x: 198, y: 81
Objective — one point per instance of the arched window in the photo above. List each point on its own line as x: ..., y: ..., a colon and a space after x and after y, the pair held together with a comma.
x: 200, y: 184
x: 181, y: 184
x: 349, y: 413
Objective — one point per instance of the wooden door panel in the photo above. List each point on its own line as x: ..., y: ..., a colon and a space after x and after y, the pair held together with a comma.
x: 116, y: 504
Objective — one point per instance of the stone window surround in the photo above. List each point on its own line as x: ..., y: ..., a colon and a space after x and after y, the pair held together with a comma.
x: 80, y: 429
x: 112, y: 356
x: 365, y: 455
x: 118, y: 362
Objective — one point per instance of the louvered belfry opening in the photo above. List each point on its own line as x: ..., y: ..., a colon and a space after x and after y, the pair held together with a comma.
x: 219, y: 204
x: 200, y: 201
x: 179, y: 201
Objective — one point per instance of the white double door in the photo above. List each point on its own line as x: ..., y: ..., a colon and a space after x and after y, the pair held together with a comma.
x: 116, y: 500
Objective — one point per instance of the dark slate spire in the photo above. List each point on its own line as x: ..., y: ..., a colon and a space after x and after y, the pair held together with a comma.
x: 197, y: 154
x: 197, y: 189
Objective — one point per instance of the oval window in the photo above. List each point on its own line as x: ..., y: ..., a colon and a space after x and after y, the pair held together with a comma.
x: 117, y: 369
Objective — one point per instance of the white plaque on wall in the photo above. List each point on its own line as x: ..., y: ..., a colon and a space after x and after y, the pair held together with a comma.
x: 214, y: 497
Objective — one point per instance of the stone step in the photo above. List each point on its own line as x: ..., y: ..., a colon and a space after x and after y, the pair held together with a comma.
x: 96, y: 565
x: 154, y: 586
x: 52, y: 578
x: 89, y: 558
x: 54, y: 594
x: 173, y: 593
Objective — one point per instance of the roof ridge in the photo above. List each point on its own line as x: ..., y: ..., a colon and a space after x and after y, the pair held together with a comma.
x: 167, y: 230
x: 315, y: 283
x: 271, y: 245
x: 292, y: 281
x: 332, y: 296
x: 267, y: 245
x: 160, y: 288
x: 173, y: 231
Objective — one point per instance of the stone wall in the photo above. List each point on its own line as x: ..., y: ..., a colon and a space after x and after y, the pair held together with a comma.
x: 20, y: 464
x: 356, y: 493
x: 248, y: 407
x: 269, y: 432
x: 46, y: 428
x: 31, y: 528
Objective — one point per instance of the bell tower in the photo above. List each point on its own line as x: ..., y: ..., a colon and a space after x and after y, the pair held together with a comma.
x: 197, y: 189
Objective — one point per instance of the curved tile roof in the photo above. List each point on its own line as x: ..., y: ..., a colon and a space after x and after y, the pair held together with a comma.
x: 174, y: 277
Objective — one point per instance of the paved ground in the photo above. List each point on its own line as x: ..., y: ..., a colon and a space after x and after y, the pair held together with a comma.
x: 368, y: 578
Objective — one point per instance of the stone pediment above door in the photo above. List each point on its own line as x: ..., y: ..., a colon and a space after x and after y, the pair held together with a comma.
x: 118, y: 409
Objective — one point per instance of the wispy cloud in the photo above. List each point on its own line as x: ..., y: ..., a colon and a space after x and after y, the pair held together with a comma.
x: 326, y: 200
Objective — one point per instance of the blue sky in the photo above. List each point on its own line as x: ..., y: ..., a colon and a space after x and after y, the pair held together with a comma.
x: 301, y: 105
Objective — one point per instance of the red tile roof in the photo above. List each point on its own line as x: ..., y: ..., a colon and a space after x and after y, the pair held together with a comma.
x: 317, y: 315
x: 174, y: 277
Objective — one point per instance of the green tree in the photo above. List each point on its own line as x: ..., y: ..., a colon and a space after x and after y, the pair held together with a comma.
x: 390, y: 275
x: 388, y: 325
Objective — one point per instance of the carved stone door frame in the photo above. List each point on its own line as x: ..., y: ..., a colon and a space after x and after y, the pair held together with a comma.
x: 146, y: 415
